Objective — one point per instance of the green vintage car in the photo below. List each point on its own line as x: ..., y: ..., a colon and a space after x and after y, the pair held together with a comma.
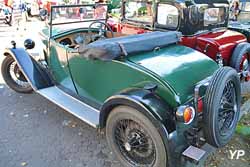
x: 160, y: 104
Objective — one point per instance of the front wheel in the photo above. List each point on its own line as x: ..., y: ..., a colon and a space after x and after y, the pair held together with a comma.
x: 134, y: 139
x: 14, y: 77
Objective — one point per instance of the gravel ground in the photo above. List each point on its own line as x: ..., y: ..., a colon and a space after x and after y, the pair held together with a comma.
x: 36, y: 133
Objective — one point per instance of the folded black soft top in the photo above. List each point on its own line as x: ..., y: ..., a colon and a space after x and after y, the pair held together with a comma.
x: 112, y: 48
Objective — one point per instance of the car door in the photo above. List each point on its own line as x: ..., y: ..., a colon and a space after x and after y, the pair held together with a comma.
x: 58, y: 64
x: 87, y: 75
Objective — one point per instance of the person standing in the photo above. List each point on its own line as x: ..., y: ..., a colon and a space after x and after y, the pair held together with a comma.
x: 20, y: 14
x: 235, y: 11
x: 83, y: 12
x: 100, y: 11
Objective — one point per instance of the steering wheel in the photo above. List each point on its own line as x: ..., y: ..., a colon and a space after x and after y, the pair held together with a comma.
x: 100, y: 35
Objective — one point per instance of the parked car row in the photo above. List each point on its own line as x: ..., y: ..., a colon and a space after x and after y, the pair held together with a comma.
x: 164, y: 86
x: 204, y: 28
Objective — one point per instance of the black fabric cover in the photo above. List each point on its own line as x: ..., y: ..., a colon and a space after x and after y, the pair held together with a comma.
x: 112, y: 48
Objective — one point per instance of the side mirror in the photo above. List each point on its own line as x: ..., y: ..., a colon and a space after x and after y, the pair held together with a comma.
x: 29, y: 44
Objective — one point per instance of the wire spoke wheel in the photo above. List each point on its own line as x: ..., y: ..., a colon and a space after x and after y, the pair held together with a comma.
x: 240, y: 60
x: 222, y: 106
x: 134, y: 143
x: 245, y: 63
x: 17, y: 76
x: 134, y: 139
x: 14, y: 77
x: 228, y: 108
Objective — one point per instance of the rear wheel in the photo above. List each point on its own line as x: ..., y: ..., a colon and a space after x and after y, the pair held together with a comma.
x: 134, y: 139
x: 222, y: 107
x: 14, y: 77
x: 240, y: 59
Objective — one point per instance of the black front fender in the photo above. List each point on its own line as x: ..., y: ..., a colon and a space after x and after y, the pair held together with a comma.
x: 36, y: 75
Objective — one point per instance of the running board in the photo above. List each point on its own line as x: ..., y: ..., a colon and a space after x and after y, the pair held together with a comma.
x: 74, y: 106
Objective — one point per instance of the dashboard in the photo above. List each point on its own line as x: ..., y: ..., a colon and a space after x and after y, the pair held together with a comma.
x: 72, y: 40
x: 75, y: 39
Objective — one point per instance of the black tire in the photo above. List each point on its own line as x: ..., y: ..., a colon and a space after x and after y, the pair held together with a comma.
x: 7, y: 76
x: 222, y: 107
x: 240, y: 53
x: 121, y: 149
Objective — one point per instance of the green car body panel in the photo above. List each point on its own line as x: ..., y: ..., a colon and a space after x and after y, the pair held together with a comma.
x: 179, y: 66
x: 98, y: 80
x: 59, y: 65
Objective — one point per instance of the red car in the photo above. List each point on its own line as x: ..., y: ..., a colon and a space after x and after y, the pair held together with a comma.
x: 202, y: 23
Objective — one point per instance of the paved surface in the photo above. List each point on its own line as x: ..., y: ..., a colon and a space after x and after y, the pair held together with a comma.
x: 36, y: 133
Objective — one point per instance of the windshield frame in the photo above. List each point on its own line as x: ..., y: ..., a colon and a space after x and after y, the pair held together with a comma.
x: 162, y: 26
x: 53, y: 7
x: 138, y: 22
x: 216, y: 6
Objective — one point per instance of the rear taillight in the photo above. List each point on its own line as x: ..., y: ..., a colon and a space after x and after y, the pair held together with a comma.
x: 200, y: 105
x: 185, y: 114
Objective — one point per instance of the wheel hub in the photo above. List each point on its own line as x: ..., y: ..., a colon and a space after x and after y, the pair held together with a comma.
x: 127, y: 146
x: 235, y: 108
x: 228, y: 109
x: 245, y: 65
x: 134, y: 143
x: 17, y: 75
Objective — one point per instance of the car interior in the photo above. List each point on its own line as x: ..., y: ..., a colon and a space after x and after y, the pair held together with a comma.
x: 115, y: 47
x: 97, y: 40
x: 73, y: 40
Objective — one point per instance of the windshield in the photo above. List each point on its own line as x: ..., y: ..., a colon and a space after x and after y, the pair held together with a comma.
x: 76, y: 16
x: 140, y: 11
x: 214, y: 16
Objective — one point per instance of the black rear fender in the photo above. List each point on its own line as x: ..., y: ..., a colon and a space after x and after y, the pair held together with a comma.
x: 143, y: 100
